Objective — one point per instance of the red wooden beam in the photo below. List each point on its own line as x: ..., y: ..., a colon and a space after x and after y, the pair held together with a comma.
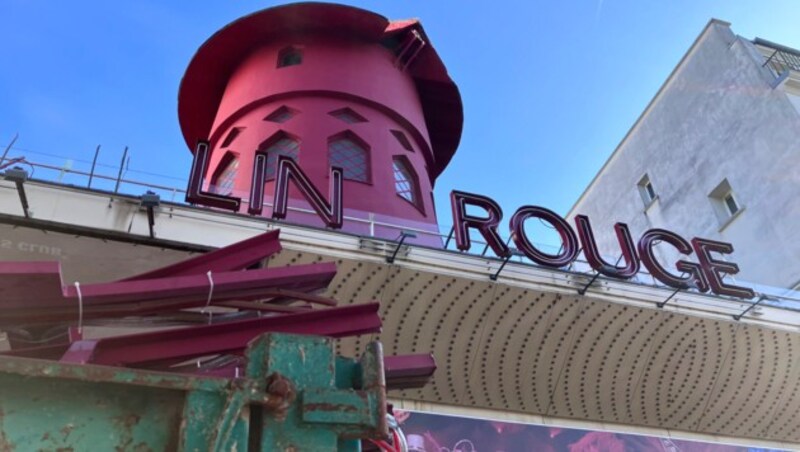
x: 24, y: 283
x: 416, y: 365
x: 231, y: 337
x: 401, y: 371
x: 52, y: 351
x: 409, y: 371
x: 227, y: 285
x: 237, y: 256
x: 164, y: 294
x: 264, y: 307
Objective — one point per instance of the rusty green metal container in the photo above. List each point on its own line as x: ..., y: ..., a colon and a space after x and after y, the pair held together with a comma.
x: 294, y: 395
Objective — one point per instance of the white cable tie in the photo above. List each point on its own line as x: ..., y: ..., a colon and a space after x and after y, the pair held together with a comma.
x: 210, y: 294
x: 80, y: 307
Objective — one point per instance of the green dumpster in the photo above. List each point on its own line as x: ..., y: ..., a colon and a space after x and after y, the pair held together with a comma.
x: 295, y: 394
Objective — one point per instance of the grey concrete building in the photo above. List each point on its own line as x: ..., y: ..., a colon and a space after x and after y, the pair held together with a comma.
x: 715, y: 154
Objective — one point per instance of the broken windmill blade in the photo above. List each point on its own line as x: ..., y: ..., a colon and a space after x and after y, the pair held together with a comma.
x: 26, y: 284
x: 237, y: 256
x: 33, y: 294
x: 409, y: 371
x: 401, y: 371
x: 229, y: 337
x: 146, y: 296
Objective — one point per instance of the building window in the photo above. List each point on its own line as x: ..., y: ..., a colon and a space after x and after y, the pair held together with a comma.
x: 347, y: 115
x: 223, y: 181
x: 231, y: 136
x: 283, y: 145
x: 351, y: 154
x: 403, y: 140
x: 281, y: 115
x: 290, y: 56
x: 725, y: 202
x: 730, y: 204
x: 646, y: 190
x: 405, y: 181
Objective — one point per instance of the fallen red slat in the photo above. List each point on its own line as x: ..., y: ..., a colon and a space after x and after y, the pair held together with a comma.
x: 191, y: 342
x: 263, y: 307
x: 25, y: 283
x: 409, y: 371
x: 237, y: 256
x: 164, y: 294
x: 28, y: 284
x: 53, y: 351
x: 198, y: 286
x: 401, y: 371
x: 421, y: 364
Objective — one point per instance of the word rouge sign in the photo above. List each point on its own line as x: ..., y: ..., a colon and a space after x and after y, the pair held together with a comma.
x: 707, y: 274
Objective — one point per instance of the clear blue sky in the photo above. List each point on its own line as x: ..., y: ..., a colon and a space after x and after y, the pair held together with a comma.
x: 549, y: 87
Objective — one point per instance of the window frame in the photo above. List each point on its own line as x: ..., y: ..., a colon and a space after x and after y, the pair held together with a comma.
x: 732, y: 198
x: 402, y: 139
x: 352, y: 136
x: 647, y: 191
x: 289, y: 51
x: 271, y: 141
x: 231, y: 136
x: 223, y: 165
x: 413, y: 178
x: 339, y: 112
x: 719, y: 201
x: 282, y: 110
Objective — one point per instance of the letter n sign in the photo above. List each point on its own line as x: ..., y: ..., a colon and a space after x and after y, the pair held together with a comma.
x: 288, y: 170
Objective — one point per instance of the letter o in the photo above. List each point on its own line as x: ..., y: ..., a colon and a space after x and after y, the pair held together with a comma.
x: 569, y: 241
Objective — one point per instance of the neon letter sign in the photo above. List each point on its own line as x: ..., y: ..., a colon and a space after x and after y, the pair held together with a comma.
x: 487, y: 226
x: 569, y: 243
x: 704, y: 276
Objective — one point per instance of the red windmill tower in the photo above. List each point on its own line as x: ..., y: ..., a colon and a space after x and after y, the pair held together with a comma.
x: 326, y: 86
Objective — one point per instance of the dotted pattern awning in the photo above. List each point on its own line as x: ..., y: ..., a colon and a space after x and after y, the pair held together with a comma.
x: 538, y: 352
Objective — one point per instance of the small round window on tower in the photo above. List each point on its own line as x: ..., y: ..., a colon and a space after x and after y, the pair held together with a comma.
x: 290, y: 56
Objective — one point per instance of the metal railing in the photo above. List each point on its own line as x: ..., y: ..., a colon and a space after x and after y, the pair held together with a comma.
x: 781, y: 59
x: 69, y: 177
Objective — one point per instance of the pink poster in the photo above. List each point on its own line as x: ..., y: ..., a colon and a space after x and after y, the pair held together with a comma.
x: 426, y: 432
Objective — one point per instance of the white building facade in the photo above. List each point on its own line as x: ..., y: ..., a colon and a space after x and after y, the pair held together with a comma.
x: 715, y: 154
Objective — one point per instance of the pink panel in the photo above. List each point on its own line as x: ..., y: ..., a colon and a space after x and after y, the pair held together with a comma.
x: 233, y: 257
x: 163, y: 294
x: 25, y: 283
x: 227, y: 337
